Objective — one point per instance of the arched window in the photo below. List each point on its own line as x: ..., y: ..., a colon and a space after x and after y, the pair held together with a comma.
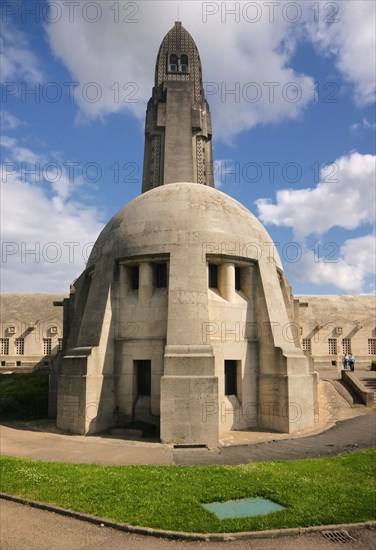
x: 184, y: 63
x: 173, y: 65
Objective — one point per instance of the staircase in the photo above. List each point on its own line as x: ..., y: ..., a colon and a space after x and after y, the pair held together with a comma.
x: 370, y: 384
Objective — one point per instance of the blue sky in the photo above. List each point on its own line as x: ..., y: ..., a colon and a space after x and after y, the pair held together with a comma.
x: 291, y: 86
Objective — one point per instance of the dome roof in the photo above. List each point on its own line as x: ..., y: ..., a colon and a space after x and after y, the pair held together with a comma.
x: 184, y: 214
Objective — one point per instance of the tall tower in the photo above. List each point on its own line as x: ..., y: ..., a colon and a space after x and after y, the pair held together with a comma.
x: 178, y: 129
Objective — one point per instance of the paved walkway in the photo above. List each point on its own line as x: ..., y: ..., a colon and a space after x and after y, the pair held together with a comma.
x: 17, y: 439
x: 338, y: 428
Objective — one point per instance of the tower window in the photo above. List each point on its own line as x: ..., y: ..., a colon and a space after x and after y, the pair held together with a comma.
x: 173, y: 65
x: 213, y: 276
x: 230, y: 377
x: 135, y: 277
x: 178, y: 64
x: 161, y: 275
x: 184, y: 64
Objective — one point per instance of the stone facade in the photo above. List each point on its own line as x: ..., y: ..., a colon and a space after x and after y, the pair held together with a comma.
x: 333, y: 325
x: 31, y: 331
x: 183, y: 291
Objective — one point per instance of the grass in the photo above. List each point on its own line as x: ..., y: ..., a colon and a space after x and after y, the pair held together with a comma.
x: 24, y: 396
x: 316, y: 491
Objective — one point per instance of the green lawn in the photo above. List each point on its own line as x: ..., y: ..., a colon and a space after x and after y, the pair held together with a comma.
x: 315, y: 491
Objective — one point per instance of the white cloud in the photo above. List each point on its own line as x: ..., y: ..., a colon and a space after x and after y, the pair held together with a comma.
x: 365, y: 124
x: 348, y: 273
x: 115, y: 55
x: 347, y: 202
x: 345, y: 197
x: 351, y: 41
x: 18, y: 153
x: 47, y: 235
x: 9, y: 121
x: 17, y: 61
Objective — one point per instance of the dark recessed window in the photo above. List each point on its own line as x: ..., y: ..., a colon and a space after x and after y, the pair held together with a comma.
x: 18, y: 364
x: 213, y: 276
x: 161, y: 275
x: 135, y: 276
x: 143, y: 374
x: 3, y: 363
x: 173, y: 65
x: 237, y: 278
x: 184, y: 64
x: 230, y: 377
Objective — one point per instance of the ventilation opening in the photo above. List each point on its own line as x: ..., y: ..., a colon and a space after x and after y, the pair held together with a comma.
x: 190, y: 446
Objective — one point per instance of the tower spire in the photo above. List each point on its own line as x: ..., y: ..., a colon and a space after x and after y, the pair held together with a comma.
x: 178, y: 129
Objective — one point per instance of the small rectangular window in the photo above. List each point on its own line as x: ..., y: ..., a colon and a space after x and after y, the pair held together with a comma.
x: 306, y: 345
x: 18, y: 364
x: 4, y: 346
x: 372, y: 346
x: 161, y: 275
x: 332, y: 345
x: 135, y: 276
x: 238, y: 278
x: 20, y: 346
x: 47, y: 346
x: 346, y: 346
x: 143, y: 374
x: 230, y: 377
x: 213, y: 276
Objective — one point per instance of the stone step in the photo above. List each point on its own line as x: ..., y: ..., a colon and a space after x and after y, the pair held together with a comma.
x: 127, y: 432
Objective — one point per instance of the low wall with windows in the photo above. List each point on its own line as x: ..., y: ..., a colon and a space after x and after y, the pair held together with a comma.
x: 332, y: 326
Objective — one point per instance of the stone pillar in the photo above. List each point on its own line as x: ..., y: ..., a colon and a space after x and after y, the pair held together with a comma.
x: 146, y: 287
x: 189, y: 387
x: 226, y: 281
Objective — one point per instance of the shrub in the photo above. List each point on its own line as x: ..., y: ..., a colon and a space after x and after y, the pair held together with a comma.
x: 373, y: 365
x: 24, y: 396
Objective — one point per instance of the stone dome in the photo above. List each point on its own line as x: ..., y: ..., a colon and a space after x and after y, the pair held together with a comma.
x: 184, y: 214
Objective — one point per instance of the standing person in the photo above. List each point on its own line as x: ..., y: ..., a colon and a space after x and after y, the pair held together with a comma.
x: 352, y: 362
x: 345, y: 361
